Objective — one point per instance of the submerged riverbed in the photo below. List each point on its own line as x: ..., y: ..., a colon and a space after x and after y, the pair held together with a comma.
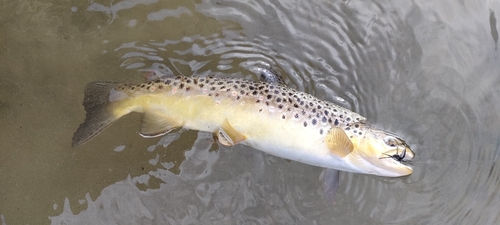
x: 428, y: 71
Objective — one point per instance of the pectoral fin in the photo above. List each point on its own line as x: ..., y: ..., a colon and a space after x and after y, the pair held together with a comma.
x: 338, y: 142
x: 155, y: 124
x: 228, y: 136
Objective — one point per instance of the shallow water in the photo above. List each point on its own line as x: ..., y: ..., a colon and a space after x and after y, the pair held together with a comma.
x: 426, y: 71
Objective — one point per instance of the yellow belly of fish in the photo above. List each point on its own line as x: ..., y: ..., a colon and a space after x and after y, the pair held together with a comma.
x: 262, y: 129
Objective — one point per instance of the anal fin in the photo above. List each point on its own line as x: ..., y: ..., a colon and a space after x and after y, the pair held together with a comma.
x: 155, y: 124
x: 338, y: 142
x: 228, y: 136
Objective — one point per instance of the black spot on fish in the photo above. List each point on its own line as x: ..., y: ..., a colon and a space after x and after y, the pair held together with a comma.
x: 303, y: 112
x: 278, y: 100
x: 276, y: 92
x: 290, y: 100
x: 266, y: 91
x: 311, y: 104
x: 251, y: 87
x: 335, y: 110
x: 132, y: 88
x: 238, y: 97
x: 238, y: 82
x: 212, y: 88
x: 314, y: 110
x: 321, y: 131
x: 271, y: 87
x: 283, y: 117
x: 260, y: 110
x: 188, y: 81
x: 143, y: 85
x: 201, y: 85
x: 177, y: 78
x: 296, y: 115
x: 295, y: 105
x: 305, y: 124
x: 242, y: 92
x: 243, y: 85
x: 336, y: 122
x: 222, y: 87
x: 174, y: 84
x: 269, y: 96
x: 314, y: 121
x: 261, y: 87
x: 280, y: 106
x: 355, y: 131
x: 326, y: 112
x: 319, y: 107
x: 220, y: 83
x: 347, y: 128
x: 360, y: 133
x: 195, y: 81
x: 254, y: 92
x: 356, y: 125
x: 301, y: 102
x: 258, y: 101
x: 323, y: 119
x: 216, y: 94
x: 188, y: 88
x: 341, y: 116
x: 160, y: 86
x: 229, y: 81
x: 348, y: 119
x: 181, y: 86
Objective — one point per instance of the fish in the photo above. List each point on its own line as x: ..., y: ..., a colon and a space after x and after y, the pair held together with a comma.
x: 268, y: 116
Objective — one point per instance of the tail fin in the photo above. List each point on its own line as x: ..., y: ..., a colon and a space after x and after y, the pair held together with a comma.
x: 98, y: 116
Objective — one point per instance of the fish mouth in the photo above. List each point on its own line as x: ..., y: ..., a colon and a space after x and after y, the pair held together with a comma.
x: 398, y: 162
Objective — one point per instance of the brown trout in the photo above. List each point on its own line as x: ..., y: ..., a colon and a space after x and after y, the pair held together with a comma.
x: 270, y: 117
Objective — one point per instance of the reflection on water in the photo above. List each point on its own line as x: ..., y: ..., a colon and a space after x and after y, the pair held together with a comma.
x: 427, y: 71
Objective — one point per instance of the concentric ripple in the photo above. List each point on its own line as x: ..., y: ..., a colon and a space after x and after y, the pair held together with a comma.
x: 410, y: 68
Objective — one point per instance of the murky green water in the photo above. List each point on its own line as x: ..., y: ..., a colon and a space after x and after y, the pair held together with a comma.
x: 425, y: 70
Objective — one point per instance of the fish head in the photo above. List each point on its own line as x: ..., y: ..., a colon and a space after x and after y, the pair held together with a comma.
x: 381, y: 153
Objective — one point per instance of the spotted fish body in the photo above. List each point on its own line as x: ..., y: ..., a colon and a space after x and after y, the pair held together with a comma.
x: 270, y: 117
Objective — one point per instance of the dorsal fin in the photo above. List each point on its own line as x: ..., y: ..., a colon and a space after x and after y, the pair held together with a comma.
x: 228, y: 136
x: 338, y: 142
x: 271, y: 76
x: 155, y: 124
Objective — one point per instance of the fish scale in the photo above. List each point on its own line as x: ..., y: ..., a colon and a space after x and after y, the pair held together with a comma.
x: 281, y: 101
x: 270, y: 117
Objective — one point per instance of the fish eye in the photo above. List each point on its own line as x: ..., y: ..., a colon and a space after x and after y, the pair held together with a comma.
x: 391, y: 141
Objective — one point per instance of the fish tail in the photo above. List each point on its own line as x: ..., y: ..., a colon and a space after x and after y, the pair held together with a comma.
x: 98, y: 116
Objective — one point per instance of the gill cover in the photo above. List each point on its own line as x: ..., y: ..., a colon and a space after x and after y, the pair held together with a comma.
x: 386, y: 152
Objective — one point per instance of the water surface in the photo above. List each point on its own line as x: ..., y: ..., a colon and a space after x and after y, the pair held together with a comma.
x: 428, y: 71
